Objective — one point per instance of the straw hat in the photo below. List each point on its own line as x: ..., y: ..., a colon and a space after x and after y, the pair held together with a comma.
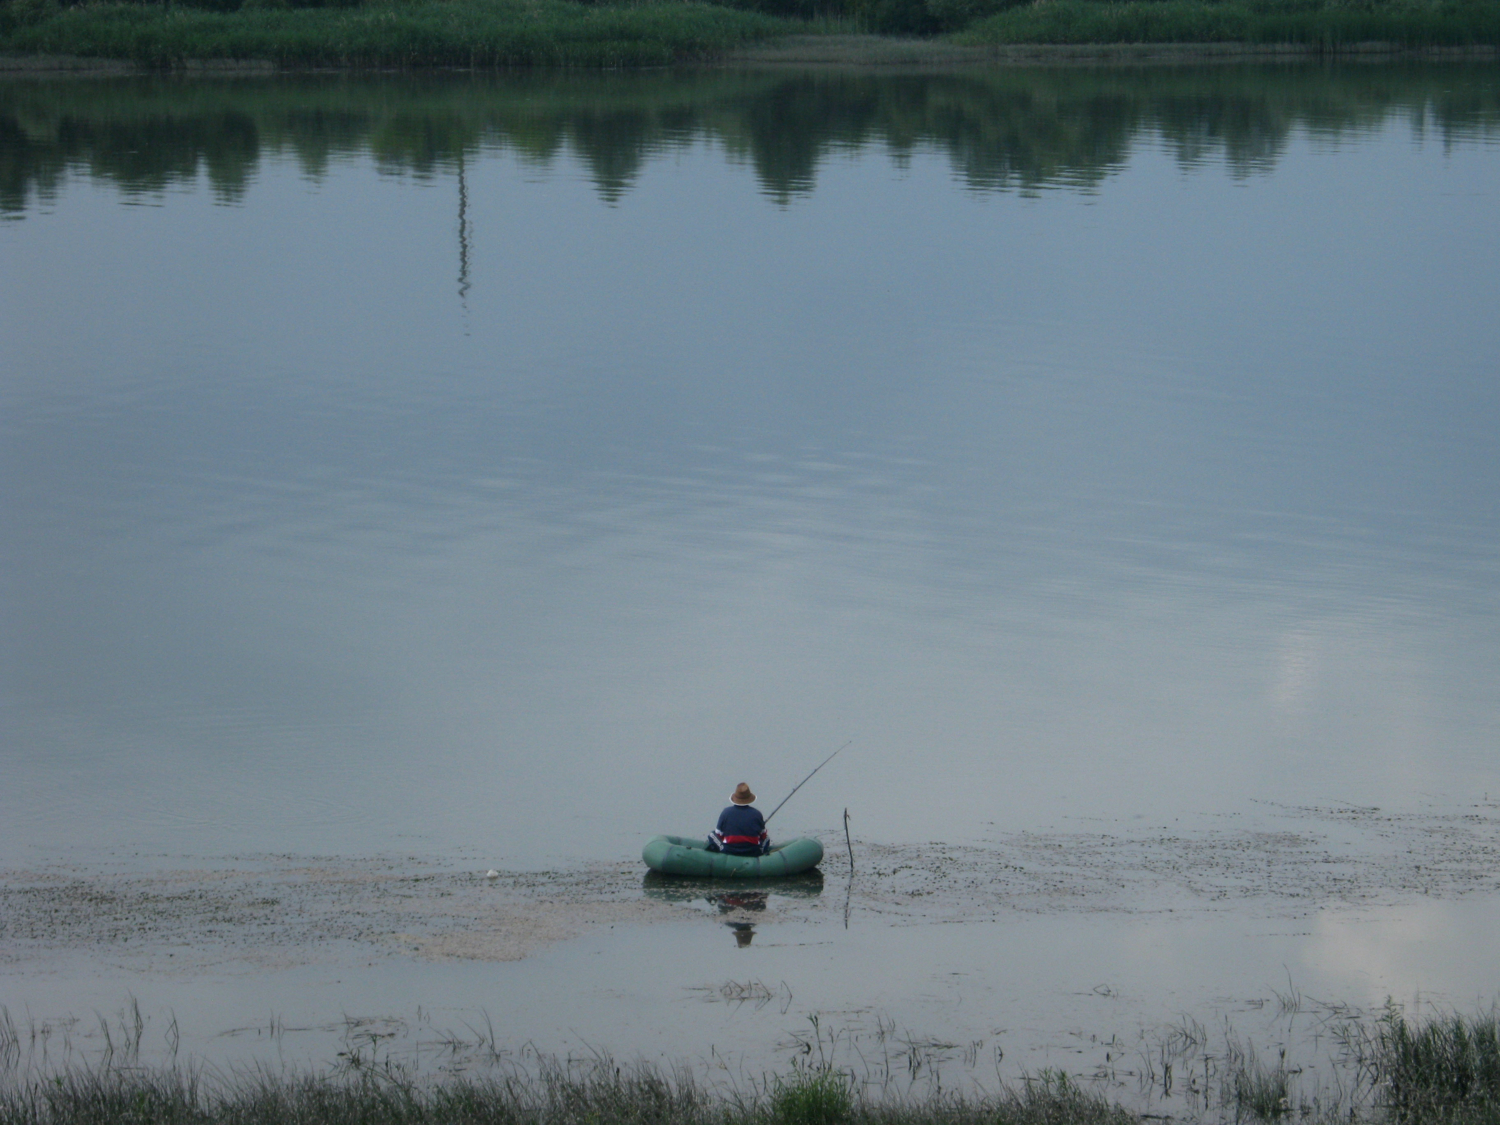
x: 742, y: 795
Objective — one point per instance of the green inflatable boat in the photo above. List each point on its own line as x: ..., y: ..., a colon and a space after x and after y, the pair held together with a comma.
x: 679, y: 855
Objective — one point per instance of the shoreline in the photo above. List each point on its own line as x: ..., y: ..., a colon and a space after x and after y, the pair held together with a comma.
x: 894, y: 51
x: 829, y: 52
x: 1397, y: 1065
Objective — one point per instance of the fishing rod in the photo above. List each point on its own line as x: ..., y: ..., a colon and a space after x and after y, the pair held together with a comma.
x: 808, y: 778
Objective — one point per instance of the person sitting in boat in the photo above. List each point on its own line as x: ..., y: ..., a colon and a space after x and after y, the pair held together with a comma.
x: 741, y: 829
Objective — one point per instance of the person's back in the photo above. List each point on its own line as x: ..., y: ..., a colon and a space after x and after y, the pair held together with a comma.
x: 741, y: 829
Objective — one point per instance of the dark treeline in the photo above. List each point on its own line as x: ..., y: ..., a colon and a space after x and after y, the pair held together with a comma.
x: 485, y: 33
x: 1014, y: 130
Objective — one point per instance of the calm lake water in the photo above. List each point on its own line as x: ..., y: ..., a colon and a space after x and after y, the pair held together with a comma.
x: 515, y: 463
x: 501, y: 468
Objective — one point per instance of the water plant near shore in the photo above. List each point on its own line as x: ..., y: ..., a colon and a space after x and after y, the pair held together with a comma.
x: 1444, y: 1070
x: 1261, y: 1093
x: 1448, y: 1067
x: 814, y: 1096
x: 605, y: 1095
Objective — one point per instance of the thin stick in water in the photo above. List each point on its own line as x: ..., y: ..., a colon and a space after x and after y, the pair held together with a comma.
x: 849, y: 842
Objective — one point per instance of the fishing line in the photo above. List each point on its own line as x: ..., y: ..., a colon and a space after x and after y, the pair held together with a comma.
x: 808, y: 778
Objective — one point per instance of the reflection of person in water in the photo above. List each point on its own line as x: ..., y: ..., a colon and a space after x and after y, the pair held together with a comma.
x: 739, y: 900
x: 743, y: 932
x: 731, y: 902
x: 741, y: 829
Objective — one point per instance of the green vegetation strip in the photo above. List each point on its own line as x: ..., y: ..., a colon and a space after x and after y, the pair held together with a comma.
x: 1329, y: 24
x: 605, y: 1097
x: 1445, y: 1072
x: 634, y: 33
x: 422, y: 33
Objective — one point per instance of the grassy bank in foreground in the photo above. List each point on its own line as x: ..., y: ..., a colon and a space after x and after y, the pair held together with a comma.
x: 605, y: 1097
x: 1443, y: 1071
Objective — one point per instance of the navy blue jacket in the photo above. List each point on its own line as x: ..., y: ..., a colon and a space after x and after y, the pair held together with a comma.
x: 742, y: 821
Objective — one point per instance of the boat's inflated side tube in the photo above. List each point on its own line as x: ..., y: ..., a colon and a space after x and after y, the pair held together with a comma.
x: 681, y: 855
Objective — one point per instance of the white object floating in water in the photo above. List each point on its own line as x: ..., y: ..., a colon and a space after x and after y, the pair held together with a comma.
x: 492, y: 874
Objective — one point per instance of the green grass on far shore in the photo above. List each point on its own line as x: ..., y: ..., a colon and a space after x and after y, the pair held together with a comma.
x: 409, y: 34
x: 1328, y: 24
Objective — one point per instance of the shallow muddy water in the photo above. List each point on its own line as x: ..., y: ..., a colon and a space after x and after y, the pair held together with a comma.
x: 407, y: 477
x: 1147, y: 962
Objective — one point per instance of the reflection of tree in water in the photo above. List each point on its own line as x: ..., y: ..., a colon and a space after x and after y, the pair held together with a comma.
x: 615, y: 147
x: 787, y: 130
x: 1249, y: 135
x: 141, y: 156
x: 28, y: 166
x: 1028, y: 139
x: 1002, y: 130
